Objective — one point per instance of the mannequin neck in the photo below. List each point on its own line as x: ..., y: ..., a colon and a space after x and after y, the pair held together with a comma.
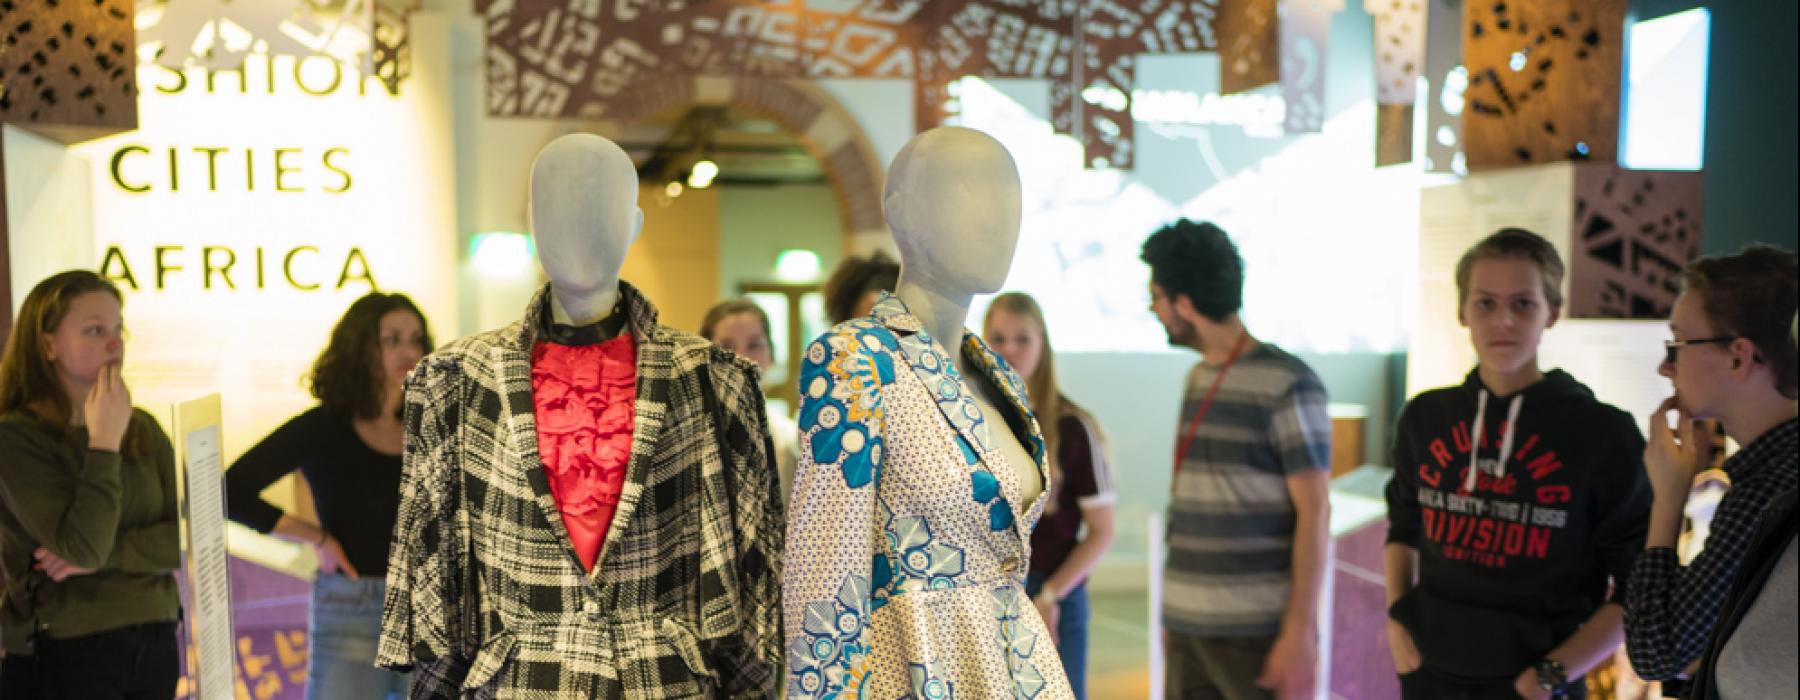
x: 942, y: 314
x: 580, y: 307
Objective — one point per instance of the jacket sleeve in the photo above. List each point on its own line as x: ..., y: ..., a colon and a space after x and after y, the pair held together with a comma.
x: 1403, y: 487
x: 70, y: 509
x: 1622, y: 518
x: 747, y: 664
x: 153, y: 547
x: 421, y: 615
x: 832, y: 524
x: 1670, y: 609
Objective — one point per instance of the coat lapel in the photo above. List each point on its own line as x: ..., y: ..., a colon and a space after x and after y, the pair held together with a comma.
x: 656, y: 380
x: 935, y: 368
x: 1012, y: 387
x: 524, y: 460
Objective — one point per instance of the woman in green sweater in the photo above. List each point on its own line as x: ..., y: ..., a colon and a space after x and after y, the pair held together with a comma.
x: 88, y: 524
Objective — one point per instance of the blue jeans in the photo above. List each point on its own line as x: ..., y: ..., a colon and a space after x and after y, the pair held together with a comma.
x: 1071, y: 632
x: 345, y: 630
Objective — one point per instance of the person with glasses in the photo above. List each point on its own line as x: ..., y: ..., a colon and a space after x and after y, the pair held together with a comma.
x: 1732, y: 360
x: 1517, y: 504
x: 89, y: 539
x: 348, y: 447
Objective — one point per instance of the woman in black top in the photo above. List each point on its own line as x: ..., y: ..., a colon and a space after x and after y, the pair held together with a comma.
x: 348, y: 447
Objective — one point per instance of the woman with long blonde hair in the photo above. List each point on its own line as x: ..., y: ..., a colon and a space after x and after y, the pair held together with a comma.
x: 1081, y: 489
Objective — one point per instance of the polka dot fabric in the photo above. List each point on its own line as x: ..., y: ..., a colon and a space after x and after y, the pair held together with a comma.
x: 906, y: 547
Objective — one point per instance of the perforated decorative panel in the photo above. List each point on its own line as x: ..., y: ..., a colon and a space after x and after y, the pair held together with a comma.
x: 550, y: 58
x: 1543, y: 81
x: 1634, y: 231
x: 67, y: 69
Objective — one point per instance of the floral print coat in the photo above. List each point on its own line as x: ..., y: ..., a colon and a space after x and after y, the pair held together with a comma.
x: 908, y: 540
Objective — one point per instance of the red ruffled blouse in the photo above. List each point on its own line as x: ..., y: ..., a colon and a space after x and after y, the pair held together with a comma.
x: 584, y: 396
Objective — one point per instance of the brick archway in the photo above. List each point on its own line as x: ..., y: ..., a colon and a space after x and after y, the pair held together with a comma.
x: 828, y: 130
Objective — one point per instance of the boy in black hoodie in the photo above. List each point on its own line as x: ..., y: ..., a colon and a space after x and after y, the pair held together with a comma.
x: 1517, y: 498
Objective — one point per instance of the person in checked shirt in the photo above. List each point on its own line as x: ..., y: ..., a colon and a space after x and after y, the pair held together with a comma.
x: 1731, y: 360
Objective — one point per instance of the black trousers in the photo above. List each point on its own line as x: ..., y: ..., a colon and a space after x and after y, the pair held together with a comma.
x: 130, y: 663
x: 1421, y: 685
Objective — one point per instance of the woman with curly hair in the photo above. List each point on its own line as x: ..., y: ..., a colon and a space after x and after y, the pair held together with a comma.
x: 348, y: 447
x: 88, y: 528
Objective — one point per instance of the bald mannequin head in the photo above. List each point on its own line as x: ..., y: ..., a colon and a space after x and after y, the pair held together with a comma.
x: 584, y: 212
x: 952, y: 201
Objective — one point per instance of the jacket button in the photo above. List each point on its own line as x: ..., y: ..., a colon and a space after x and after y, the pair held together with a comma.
x: 591, y: 610
x: 1010, y: 565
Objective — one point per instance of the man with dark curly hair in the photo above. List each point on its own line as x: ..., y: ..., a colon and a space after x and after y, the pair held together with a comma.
x: 1248, y: 511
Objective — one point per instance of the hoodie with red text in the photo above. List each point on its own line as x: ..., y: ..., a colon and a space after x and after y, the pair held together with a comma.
x: 1527, y: 512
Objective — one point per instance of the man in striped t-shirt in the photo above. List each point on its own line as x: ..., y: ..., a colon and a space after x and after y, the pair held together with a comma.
x: 1248, y: 510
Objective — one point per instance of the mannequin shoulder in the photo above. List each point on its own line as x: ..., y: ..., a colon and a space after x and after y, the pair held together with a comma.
x: 855, y: 337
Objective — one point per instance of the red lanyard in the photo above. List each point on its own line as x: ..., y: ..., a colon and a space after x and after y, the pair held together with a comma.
x: 1193, y: 426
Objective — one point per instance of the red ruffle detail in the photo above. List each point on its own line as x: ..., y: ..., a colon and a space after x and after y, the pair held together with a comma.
x: 584, y: 397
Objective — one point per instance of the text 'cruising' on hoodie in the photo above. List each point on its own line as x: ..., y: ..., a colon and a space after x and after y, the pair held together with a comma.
x: 1526, y: 510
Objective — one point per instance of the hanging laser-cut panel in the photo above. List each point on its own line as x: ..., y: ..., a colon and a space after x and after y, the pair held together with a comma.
x: 1399, y: 59
x: 545, y: 58
x: 1305, y: 29
x: 1543, y: 81
x: 1393, y: 134
x: 1445, y: 82
x: 1249, y: 45
x: 68, y: 69
x: 1634, y: 232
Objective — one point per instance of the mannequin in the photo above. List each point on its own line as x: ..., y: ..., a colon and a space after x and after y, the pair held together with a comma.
x: 952, y: 201
x: 921, y: 466
x: 582, y: 231
x: 589, y: 504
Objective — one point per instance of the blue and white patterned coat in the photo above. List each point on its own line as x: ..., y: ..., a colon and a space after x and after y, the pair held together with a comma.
x: 907, y: 542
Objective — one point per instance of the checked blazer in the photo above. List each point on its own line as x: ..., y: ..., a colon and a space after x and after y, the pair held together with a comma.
x: 486, y: 597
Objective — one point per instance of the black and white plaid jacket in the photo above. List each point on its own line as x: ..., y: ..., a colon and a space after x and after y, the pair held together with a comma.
x: 487, y: 599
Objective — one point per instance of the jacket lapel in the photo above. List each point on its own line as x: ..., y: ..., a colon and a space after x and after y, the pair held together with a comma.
x: 522, y: 458
x: 1012, y: 387
x: 935, y: 368
x: 656, y: 381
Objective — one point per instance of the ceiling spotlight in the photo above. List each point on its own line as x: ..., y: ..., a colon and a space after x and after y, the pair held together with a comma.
x: 673, y: 189
x: 702, y: 175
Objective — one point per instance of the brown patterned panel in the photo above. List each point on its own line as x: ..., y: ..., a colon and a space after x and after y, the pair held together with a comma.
x: 1249, y: 52
x: 1544, y: 81
x: 1393, y: 134
x: 546, y: 59
x: 1399, y: 49
x: 391, y: 55
x: 1633, y: 233
x: 1399, y: 57
x: 67, y: 67
x: 1445, y: 84
x: 1305, y: 35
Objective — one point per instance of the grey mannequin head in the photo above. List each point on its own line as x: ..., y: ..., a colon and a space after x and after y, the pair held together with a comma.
x: 584, y: 213
x: 952, y: 202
